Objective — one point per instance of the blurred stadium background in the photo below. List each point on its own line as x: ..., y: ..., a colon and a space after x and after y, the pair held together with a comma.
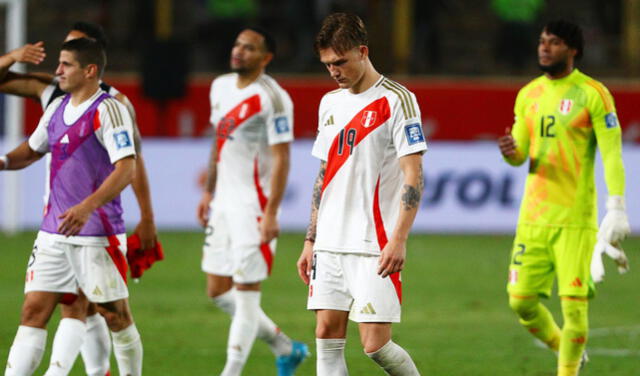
x: 465, y: 60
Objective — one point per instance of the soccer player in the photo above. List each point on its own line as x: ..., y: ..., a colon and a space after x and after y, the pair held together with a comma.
x: 365, y: 199
x: 253, y: 121
x: 560, y: 117
x: 96, y: 345
x: 79, y: 248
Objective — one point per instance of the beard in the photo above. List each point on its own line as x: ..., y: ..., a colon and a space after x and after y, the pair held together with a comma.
x: 553, y: 69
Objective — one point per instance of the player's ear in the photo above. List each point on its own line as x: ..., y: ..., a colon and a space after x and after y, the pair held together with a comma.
x: 364, y: 51
x: 267, y: 59
x: 91, y: 70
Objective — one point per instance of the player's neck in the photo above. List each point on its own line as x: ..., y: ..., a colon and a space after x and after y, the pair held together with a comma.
x: 247, y: 78
x: 84, y: 92
x: 559, y: 75
x: 369, y: 78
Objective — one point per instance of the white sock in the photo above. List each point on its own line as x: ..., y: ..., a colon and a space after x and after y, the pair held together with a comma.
x: 26, y: 352
x: 96, y: 349
x: 331, y: 357
x: 394, y: 360
x: 268, y: 331
x: 66, y: 346
x: 127, y: 347
x: 243, y: 331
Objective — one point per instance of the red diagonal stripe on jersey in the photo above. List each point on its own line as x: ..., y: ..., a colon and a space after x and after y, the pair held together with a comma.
x: 234, y: 118
x: 335, y: 161
x: 382, y: 237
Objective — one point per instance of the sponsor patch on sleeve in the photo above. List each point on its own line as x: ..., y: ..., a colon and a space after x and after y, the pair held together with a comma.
x: 122, y: 139
x: 611, y: 120
x: 414, y: 134
x: 282, y: 125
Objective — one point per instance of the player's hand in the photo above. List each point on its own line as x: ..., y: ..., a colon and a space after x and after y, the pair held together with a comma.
x: 203, y: 208
x: 614, y: 252
x: 392, y: 258
x: 615, y: 225
x: 507, y: 144
x: 269, y: 228
x: 29, y: 53
x: 147, y: 233
x: 74, y: 219
x: 305, y: 262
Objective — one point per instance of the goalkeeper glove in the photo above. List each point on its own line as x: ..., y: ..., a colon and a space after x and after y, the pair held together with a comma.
x: 615, y: 225
x: 615, y: 252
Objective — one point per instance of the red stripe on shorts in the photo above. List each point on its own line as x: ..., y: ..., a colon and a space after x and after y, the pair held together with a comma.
x: 117, y: 257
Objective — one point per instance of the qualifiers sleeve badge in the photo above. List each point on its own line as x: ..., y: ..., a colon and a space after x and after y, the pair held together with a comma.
x: 611, y: 120
x: 282, y: 125
x: 413, y: 132
x: 122, y: 139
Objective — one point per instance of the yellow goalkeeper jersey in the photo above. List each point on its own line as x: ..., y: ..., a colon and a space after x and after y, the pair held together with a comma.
x: 558, y: 124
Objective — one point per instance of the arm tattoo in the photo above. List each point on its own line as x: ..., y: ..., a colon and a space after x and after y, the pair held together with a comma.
x: 315, y: 203
x: 411, y: 194
x: 212, y: 172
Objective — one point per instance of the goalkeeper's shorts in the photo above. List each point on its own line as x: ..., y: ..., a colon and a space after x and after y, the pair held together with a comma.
x: 540, y: 253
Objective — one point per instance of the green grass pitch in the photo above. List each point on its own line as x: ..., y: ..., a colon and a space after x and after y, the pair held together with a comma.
x: 456, y: 320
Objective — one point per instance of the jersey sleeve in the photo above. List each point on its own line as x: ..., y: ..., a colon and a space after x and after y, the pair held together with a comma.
x: 116, y: 130
x: 279, y: 116
x: 212, y: 92
x: 320, y: 148
x: 51, y: 92
x: 609, y: 137
x: 39, y: 139
x: 519, y: 132
x: 407, y: 134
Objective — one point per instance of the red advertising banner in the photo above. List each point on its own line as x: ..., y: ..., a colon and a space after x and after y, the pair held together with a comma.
x: 451, y: 109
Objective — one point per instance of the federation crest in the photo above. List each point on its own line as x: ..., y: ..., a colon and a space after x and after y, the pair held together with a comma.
x: 368, y: 118
x: 565, y: 106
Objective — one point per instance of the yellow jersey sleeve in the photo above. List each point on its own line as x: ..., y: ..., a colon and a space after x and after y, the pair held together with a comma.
x: 519, y: 131
x: 608, y: 135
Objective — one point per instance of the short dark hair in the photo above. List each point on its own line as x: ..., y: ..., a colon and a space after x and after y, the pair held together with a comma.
x: 341, y: 32
x: 569, y: 32
x: 93, y: 31
x: 87, y: 51
x: 269, y: 41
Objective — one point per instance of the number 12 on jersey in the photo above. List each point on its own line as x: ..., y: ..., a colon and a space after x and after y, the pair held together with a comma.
x: 546, y: 126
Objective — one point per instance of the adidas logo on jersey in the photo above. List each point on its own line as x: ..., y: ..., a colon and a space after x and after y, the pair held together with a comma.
x: 368, y: 310
x: 576, y: 283
x: 97, y: 291
x: 65, y: 139
x: 329, y: 121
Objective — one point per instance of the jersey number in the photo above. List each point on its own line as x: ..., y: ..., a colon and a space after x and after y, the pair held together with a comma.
x: 546, y: 126
x: 349, y: 139
x: 517, y: 254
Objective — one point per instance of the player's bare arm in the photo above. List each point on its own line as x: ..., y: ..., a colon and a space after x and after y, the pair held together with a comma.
x: 20, y: 157
x: 393, y: 255
x: 209, y: 186
x: 304, y: 262
x: 269, y: 228
x: 29, y: 53
x: 146, y: 228
x: 76, y: 217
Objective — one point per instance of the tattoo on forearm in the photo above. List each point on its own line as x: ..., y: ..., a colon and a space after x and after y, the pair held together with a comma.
x: 211, y: 173
x: 411, y: 194
x: 315, y: 203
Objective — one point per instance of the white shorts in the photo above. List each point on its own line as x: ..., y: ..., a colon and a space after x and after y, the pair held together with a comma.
x: 350, y: 282
x: 57, y: 266
x: 232, y: 248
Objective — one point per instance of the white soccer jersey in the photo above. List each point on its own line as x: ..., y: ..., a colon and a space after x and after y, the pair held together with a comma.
x: 246, y: 123
x: 361, y: 137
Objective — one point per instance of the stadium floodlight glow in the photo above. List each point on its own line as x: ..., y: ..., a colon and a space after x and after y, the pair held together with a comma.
x: 16, y: 20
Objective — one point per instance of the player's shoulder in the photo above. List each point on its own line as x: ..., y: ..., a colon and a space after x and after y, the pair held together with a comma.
x: 591, y: 86
x: 398, y: 96
x: 53, y: 105
x: 224, y: 79
x: 273, y: 92
x: 113, y: 111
